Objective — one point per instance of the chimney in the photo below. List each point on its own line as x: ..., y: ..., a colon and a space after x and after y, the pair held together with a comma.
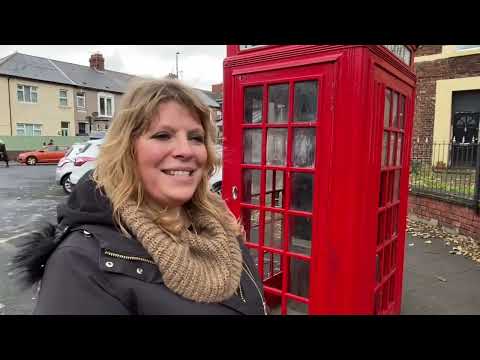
x: 217, y: 89
x: 97, y: 62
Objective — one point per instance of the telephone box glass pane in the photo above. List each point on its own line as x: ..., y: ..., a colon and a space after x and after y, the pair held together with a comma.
x: 381, y: 228
x: 273, y: 230
x: 275, y: 189
x: 304, y: 147
x: 272, y: 270
x: 296, y: 307
x: 393, y: 140
x: 305, y: 101
x: 378, y: 274
x: 251, y: 223
x: 388, y: 224
x: 399, y: 149
x: 252, y: 146
x: 395, y: 220
x: 274, y: 303
x: 401, y: 115
x: 299, y: 277
x: 390, y: 187
x: 383, y: 188
x: 384, y: 148
x: 251, y: 186
x: 278, y: 103
x: 300, y: 235
x: 277, y: 147
x: 394, y: 110
x: 302, y: 191
x: 254, y: 254
x: 253, y: 105
x: 386, y: 113
x: 396, y: 186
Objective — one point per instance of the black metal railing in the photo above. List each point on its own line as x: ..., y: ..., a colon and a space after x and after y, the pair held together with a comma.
x: 446, y: 169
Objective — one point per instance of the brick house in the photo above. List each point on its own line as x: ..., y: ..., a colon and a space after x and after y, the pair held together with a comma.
x: 448, y: 95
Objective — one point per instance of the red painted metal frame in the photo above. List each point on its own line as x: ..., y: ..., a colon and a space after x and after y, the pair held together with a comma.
x: 349, y: 136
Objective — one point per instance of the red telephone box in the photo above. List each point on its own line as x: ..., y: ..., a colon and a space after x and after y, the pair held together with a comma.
x: 316, y: 163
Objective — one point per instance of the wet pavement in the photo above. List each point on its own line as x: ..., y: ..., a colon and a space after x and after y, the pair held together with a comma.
x: 28, y: 196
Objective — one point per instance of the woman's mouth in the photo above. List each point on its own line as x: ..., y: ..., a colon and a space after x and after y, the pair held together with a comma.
x: 178, y: 172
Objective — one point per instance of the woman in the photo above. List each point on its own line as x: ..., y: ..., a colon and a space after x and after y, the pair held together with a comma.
x: 143, y: 234
x: 3, y: 153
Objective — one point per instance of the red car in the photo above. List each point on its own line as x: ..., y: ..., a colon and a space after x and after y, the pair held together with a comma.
x: 50, y: 154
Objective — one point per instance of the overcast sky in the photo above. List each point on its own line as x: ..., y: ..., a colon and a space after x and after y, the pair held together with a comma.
x: 199, y: 65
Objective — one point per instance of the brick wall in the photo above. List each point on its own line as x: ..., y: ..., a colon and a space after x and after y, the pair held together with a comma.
x: 428, y: 50
x: 428, y: 73
x: 455, y: 217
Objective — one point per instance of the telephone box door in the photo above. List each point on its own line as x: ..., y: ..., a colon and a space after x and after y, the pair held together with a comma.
x: 276, y: 174
x: 395, y: 98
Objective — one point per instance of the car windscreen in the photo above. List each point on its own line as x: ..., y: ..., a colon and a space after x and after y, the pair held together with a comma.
x: 69, y: 151
x: 82, y: 150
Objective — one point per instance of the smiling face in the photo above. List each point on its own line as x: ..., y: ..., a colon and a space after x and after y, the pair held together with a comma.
x: 171, y: 155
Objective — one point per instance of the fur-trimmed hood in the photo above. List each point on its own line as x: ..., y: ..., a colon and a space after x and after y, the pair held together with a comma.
x: 85, y: 205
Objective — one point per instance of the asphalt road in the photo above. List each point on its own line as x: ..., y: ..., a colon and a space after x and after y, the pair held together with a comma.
x: 28, y: 196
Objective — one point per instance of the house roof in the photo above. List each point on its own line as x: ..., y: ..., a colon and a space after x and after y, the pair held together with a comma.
x: 207, y: 98
x: 43, y: 69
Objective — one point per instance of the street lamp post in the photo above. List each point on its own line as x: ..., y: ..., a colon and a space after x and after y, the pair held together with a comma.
x: 176, y: 61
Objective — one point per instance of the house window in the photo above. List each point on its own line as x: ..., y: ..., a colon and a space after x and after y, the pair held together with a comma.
x: 29, y: 130
x: 64, y: 126
x: 27, y: 94
x: 105, y: 105
x: 467, y: 47
x: 63, y: 97
x: 81, y: 100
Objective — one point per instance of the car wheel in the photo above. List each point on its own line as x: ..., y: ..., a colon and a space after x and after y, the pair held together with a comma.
x: 67, y: 184
x: 31, y: 160
x: 217, y: 188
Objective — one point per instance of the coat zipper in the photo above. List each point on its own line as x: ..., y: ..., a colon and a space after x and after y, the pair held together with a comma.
x: 125, y: 257
x: 250, y: 275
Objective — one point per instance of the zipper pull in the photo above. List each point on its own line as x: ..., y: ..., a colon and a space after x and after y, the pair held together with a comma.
x: 264, y: 307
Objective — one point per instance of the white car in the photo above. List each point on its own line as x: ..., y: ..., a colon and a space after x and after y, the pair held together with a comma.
x: 65, y: 166
x: 85, y: 160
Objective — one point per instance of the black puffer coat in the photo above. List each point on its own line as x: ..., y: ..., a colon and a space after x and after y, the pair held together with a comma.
x: 87, y: 266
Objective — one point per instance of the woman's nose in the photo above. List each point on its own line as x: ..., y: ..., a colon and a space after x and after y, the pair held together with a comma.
x: 183, y: 148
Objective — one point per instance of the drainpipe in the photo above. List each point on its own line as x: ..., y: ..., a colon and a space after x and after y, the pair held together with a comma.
x: 10, y: 107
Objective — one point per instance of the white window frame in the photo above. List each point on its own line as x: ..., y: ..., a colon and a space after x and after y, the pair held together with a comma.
x: 33, y: 89
x: 60, y: 97
x: 105, y: 96
x: 81, y: 95
x: 36, y: 129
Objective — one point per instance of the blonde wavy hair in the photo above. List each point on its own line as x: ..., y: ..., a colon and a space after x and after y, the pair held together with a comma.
x: 116, y: 172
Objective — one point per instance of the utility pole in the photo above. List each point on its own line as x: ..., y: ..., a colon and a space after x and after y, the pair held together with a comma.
x: 176, y: 58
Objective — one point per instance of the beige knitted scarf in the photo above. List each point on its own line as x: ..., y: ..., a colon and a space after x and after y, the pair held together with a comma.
x: 203, y: 266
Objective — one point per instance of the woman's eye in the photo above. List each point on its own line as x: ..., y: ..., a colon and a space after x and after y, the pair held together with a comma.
x: 161, y: 136
x: 198, y: 138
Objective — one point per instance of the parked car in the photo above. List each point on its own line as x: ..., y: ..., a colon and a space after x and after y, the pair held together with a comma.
x: 85, y: 160
x: 50, y: 154
x: 65, y: 167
